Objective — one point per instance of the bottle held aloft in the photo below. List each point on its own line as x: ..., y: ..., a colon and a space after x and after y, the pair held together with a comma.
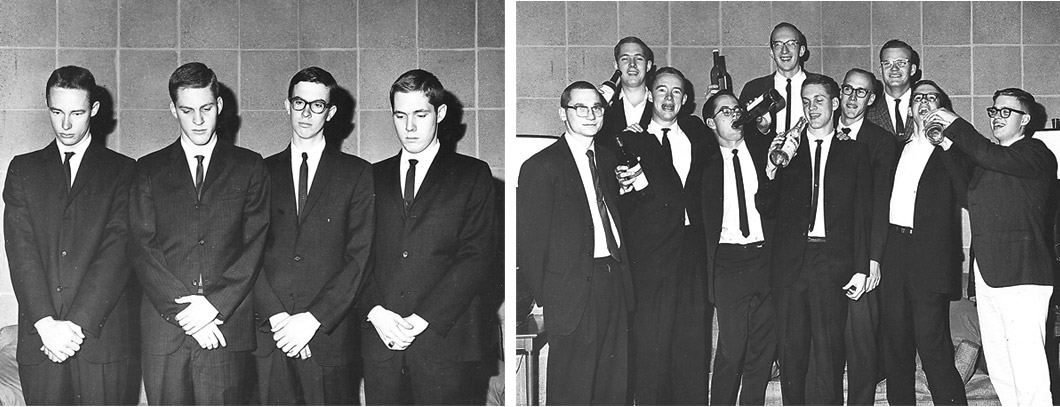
x: 781, y: 155
x: 769, y: 102
x: 610, y: 87
x: 719, y: 75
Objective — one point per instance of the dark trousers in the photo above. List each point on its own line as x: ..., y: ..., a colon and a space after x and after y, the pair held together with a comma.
x: 746, y: 340
x: 411, y: 378
x: 79, y: 382
x: 192, y: 375
x: 862, y: 348
x: 591, y: 365
x: 811, y: 317
x: 916, y: 320
x: 286, y: 381
x: 693, y: 326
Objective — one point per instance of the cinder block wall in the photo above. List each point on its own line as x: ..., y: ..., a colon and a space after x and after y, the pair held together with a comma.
x: 255, y: 47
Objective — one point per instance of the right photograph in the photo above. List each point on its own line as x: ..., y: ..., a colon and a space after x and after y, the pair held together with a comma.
x: 787, y: 203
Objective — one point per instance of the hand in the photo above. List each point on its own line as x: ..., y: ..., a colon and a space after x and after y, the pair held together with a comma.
x: 856, y: 287
x: 52, y: 356
x: 635, y: 127
x: 763, y: 122
x: 626, y: 175
x: 197, y: 315
x: 711, y: 90
x: 276, y: 319
x: 62, y: 338
x: 391, y: 328
x: 941, y: 116
x: 418, y: 324
x: 293, y: 334
x: 210, y: 337
x: 874, y: 276
x: 305, y: 353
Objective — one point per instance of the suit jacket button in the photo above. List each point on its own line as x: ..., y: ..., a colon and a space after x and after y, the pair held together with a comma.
x: 63, y: 253
x: 202, y: 242
x: 297, y: 258
x: 405, y: 254
x: 59, y: 288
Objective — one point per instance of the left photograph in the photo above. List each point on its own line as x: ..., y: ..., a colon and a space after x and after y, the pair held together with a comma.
x: 252, y: 203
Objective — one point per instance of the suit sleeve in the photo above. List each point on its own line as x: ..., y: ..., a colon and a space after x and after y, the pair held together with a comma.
x: 28, y: 277
x: 332, y: 303
x: 238, y: 279
x: 535, y: 199
x: 957, y: 165
x: 882, y: 167
x: 266, y: 303
x: 160, y: 285
x: 1023, y: 160
x: 862, y: 212
x: 451, y: 295
x: 108, y: 272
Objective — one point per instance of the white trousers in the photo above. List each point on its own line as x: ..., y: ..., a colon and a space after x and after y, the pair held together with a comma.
x: 1012, y: 320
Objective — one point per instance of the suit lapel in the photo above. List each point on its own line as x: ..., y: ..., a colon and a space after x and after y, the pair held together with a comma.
x: 54, y: 180
x: 84, y: 172
x: 325, y: 169
x: 218, y: 164
x: 179, y: 167
x: 391, y: 180
x: 283, y: 185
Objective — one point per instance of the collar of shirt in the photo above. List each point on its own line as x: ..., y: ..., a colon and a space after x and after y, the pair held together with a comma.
x: 632, y: 111
x: 425, y: 159
x: 726, y: 152
x: 656, y: 130
x: 191, y: 150
x: 855, y: 128
x: 79, y: 153
x: 314, y: 150
x: 779, y: 80
x: 903, y: 105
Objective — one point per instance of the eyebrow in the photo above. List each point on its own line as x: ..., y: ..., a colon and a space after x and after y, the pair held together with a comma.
x: 414, y: 111
x: 200, y: 107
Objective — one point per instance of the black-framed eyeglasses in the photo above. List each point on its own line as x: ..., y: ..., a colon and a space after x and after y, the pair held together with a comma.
x: 787, y: 44
x: 733, y: 112
x: 858, y: 92
x: 925, y: 97
x: 317, y: 106
x: 1005, y: 112
x: 900, y: 63
x: 583, y: 111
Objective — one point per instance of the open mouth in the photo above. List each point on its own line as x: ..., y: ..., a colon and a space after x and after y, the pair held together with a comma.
x: 668, y: 107
x: 998, y: 125
x: 814, y: 116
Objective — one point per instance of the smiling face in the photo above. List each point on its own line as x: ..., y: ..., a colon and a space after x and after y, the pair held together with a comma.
x: 853, y: 106
x: 668, y: 95
x: 788, y: 53
x: 633, y: 64
x: 71, y: 111
x: 416, y: 120
x: 897, y: 77
x: 196, y: 110
x: 818, y: 106
x: 1005, y: 130
x: 582, y: 126
x: 306, y: 124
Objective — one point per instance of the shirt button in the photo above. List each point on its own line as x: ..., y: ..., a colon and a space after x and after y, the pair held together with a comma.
x: 297, y: 258
x: 196, y: 206
x: 63, y: 253
x: 405, y: 253
x: 59, y: 288
x: 202, y: 242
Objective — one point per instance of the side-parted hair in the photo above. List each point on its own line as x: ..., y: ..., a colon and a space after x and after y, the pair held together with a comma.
x: 1025, y: 98
x: 712, y: 103
x: 192, y: 75
x: 648, y: 54
x: 72, y: 77
x: 944, y: 99
x: 564, y: 99
x: 312, y: 74
x: 418, y: 80
x: 870, y: 75
x: 824, y: 80
x: 668, y: 70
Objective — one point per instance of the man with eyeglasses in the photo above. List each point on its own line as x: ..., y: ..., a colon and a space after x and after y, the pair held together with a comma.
x: 737, y: 202
x: 899, y: 68
x: 634, y: 60
x: 821, y: 253
x: 922, y: 259
x: 323, y: 217
x: 572, y: 255
x: 1007, y: 195
x: 788, y: 49
x: 665, y: 234
x: 861, y: 334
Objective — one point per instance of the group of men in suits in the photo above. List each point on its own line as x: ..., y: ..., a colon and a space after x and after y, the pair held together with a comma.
x: 831, y: 262
x: 252, y: 270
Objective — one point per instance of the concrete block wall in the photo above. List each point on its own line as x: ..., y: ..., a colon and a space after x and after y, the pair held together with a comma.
x: 132, y: 47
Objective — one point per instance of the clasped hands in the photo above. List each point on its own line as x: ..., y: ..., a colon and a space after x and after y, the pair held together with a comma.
x: 292, y: 333
x: 396, y: 332
x: 199, y: 320
x: 61, y: 339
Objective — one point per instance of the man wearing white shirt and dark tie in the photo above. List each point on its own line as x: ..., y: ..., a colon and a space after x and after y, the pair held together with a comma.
x: 788, y: 50
x: 899, y: 68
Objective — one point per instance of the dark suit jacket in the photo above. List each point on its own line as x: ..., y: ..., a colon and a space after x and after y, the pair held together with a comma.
x: 1007, y: 197
x: 615, y: 123
x: 655, y: 216
x: 847, y: 209
x: 937, y: 222
x: 713, y: 198
x: 882, y: 160
x: 66, y: 250
x: 175, y: 237
x: 316, y: 262
x: 757, y: 86
x: 433, y: 261
x: 555, y: 234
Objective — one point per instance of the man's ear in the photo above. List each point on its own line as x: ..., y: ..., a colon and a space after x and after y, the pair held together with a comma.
x: 173, y: 109
x: 330, y: 112
x: 872, y: 99
x: 441, y: 113
x: 711, y: 124
x: 95, y: 109
x: 220, y: 104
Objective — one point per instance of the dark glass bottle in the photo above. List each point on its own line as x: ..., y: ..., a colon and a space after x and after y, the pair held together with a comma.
x: 625, y: 157
x: 770, y: 101
x: 718, y: 74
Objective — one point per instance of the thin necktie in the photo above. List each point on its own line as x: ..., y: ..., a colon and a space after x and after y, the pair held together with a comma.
x: 66, y: 166
x: 303, y: 182
x: 601, y: 206
x: 198, y: 177
x: 666, y: 144
x: 787, y: 110
x: 816, y: 183
x: 410, y: 183
x: 899, y: 127
x: 741, y: 198
x: 846, y: 133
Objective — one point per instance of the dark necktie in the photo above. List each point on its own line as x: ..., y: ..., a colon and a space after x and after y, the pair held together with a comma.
x: 198, y: 177
x: 816, y: 183
x: 741, y: 198
x: 846, y: 133
x: 601, y: 206
x: 410, y: 183
x: 66, y: 166
x: 899, y: 127
x: 787, y: 110
x: 303, y: 182
x: 666, y: 145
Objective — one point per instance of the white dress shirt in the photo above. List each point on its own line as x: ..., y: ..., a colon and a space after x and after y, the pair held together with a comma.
x: 632, y: 111
x: 780, y: 82
x: 818, y: 225
x: 314, y: 150
x: 855, y: 128
x: 578, y: 146
x: 907, y: 175
x: 680, y: 151
x: 425, y: 159
x: 903, y: 106
x: 75, y: 160
x: 191, y: 150
x: 730, y: 219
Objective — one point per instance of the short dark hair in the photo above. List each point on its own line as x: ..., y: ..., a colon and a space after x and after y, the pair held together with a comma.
x: 72, y: 77
x: 668, y: 70
x: 944, y: 99
x: 783, y: 24
x: 418, y: 80
x: 564, y: 99
x: 872, y: 78
x: 712, y: 103
x: 312, y: 74
x: 914, y: 57
x: 1025, y: 98
x: 824, y: 80
x: 648, y: 54
x: 193, y: 75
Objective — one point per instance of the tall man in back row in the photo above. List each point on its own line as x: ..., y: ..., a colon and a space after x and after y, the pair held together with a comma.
x: 788, y: 50
x: 899, y: 68
x: 635, y: 61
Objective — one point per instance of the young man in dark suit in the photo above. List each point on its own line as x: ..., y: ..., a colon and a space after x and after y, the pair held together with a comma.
x: 665, y: 238
x: 822, y: 249
x: 435, y: 237
x: 571, y: 255
x: 737, y: 202
x: 899, y: 68
x: 65, y: 225
x: 922, y: 260
x: 1007, y: 195
x: 199, y: 215
x: 635, y: 60
x: 789, y: 52
x: 863, y: 316
x: 320, y: 235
